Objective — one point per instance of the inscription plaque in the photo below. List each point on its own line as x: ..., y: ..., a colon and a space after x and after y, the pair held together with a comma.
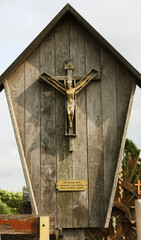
x: 72, y: 185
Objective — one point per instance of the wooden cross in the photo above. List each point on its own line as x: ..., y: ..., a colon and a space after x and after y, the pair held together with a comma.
x: 138, y: 184
x: 70, y: 89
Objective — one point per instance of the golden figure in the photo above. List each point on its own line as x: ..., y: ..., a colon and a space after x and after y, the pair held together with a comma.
x: 69, y: 90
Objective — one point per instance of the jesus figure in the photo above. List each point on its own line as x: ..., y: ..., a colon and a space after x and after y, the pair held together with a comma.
x: 69, y: 90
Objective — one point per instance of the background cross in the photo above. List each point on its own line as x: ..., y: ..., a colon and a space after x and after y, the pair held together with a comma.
x: 139, y: 185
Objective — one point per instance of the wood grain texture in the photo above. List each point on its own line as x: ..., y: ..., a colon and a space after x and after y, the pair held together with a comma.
x: 16, y: 87
x: 20, y: 148
x: 109, y: 115
x: 123, y: 114
x: 32, y: 121
x: 64, y: 160
x: 124, y: 84
x: 18, y: 224
x: 80, y: 199
x: 95, y: 137
x: 23, y: 224
x: 68, y: 234
x: 48, y: 141
x: 79, y: 234
x: 102, y: 113
x: 73, y: 234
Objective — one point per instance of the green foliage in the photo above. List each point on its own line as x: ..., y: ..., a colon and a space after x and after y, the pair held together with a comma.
x: 10, y: 202
x: 132, y: 150
x: 4, y: 209
x: 24, y: 189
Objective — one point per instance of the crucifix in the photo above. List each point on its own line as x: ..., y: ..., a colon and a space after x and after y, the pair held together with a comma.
x: 71, y: 87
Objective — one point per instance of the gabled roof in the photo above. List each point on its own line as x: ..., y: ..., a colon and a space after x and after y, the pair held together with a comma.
x: 50, y: 26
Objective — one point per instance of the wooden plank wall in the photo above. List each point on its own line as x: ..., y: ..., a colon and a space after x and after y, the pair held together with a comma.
x: 47, y: 132
x: 101, y: 110
x: 79, y: 156
x: 64, y: 158
x: 109, y: 116
x: 95, y: 136
x: 32, y: 121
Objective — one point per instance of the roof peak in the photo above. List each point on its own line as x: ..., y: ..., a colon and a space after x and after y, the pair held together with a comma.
x: 50, y: 26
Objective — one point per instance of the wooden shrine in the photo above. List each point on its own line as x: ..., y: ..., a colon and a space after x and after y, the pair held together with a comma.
x: 70, y: 95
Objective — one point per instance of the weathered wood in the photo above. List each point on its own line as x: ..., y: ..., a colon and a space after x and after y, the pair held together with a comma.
x: 130, y: 187
x: 20, y: 224
x: 64, y: 161
x: 16, y: 90
x: 123, y: 114
x: 19, y: 237
x: 68, y: 234
x: 80, y: 199
x: 32, y: 121
x: 124, y: 85
x: 23, y: 224
x: 95, y: 137
x: 73, y: 234
x: 64, y: 78
x: 109, y: 116
x: 138, y: 218
x: 48, y: 141
x: 79, y: 234
x: 100, y: 108
x: 20, y: 146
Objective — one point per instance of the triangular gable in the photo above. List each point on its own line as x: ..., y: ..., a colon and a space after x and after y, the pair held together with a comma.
x: 67, y: 9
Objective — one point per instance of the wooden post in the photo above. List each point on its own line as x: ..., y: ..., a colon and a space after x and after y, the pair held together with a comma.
x: 44, y: 228
x: 138, y: 218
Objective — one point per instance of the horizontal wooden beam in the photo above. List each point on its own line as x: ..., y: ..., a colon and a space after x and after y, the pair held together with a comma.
x: 23, y: 224
x: 130, y: 187
x: 64, y: 78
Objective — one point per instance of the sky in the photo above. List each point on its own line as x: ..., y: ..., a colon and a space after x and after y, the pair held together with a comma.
x: 119, y: 22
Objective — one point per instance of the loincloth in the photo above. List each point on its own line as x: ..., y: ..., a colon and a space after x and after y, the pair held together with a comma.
x: 70, y: 107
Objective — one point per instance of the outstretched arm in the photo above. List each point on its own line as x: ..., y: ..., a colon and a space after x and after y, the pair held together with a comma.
x: 56, y: 84
x: 85, y: 80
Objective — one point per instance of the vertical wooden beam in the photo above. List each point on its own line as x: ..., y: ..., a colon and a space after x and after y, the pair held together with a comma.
x: 32, y: 121
x: 138, y: 218
x: 64, y: 160
x: 95, y: 137
x: 48, y: 133
x: 79, y: 155
x: 109, y: 116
